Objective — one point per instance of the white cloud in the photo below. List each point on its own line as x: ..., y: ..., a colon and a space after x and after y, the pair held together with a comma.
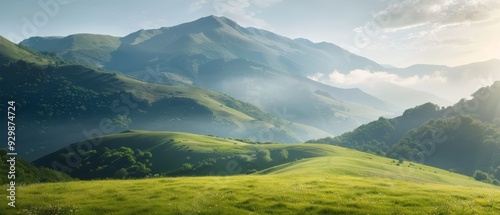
x: 242, y: 11
x: 360, y: 77
x: 437, y: 12
x: 451, y: 32
x: 197, y: 5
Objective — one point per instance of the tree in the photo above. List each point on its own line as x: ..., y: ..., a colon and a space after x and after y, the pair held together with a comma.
x: 122, y: 173
x: 263, y: 155
x: 480, y: 175
x: 187, y: 166
x: 284, y: 154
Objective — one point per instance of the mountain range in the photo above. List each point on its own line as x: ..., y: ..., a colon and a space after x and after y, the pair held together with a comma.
x: 267, y: 70
x: 252, y: 65
x: 293, y: 126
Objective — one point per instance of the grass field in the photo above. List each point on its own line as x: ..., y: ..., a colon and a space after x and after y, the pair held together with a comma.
x: 336, y: 181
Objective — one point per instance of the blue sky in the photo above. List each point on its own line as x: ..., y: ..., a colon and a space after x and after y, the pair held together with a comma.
x: 397, y: 32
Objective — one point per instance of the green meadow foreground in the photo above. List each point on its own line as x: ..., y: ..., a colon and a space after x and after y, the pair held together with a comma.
x: 340, y: 181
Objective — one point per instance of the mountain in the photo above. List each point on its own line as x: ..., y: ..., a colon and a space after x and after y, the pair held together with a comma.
x: 253, y: 65
x: 59, y: 103
x: 452, y: 83
x: 464, y: 137
x: 403, y: 97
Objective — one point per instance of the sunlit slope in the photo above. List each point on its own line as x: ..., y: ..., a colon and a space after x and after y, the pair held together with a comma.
x: 12, y: 52
x: 268, y: 194
x: 333, y: 180
x: 170, y: 153
x: 353, y: 163
x: 209, y: 155
x: 87, y: 49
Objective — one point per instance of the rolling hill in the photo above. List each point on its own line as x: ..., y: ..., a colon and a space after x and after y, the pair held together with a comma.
x: 81, y: 102
x: 313, y: 179
x: 462, y: 138
x: 253, y: 65
x: 27, y: 173
x: 172, y: 154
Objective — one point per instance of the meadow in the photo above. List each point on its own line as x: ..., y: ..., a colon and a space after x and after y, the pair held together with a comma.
x: 342, y: 181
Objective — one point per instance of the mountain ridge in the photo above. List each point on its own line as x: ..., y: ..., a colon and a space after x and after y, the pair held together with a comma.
x: 216, y: 53
x: 50, y: 94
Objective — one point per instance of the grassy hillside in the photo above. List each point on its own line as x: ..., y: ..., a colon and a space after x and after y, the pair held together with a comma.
x: 87, y: 49
x: 12, y: 52
x: 145, y: 153
x: 333, y: 180
x: 464, y: 137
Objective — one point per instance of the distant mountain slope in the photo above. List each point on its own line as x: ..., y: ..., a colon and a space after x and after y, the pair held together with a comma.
x: 463, y: 138
x: 216, y: 53
x: 66, y: 103
x: 402, y: 97
x: 87, y: 49
x: 452, y: 83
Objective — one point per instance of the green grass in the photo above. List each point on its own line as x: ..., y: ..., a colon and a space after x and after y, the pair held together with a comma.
x: 11, y: 52
x: 332, y: 180
x: 171, y: 150
x: 258, y: 194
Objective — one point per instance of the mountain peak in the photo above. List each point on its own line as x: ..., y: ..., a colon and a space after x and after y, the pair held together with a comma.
x: 217, y: 22
x: 219, y: 19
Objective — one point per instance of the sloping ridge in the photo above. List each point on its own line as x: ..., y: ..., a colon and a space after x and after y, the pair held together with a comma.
x: 44, y: 88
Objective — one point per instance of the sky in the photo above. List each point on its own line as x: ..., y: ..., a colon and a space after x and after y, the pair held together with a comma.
x: 394, y: 32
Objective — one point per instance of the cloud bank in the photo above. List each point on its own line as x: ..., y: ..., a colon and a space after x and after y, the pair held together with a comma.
x: 360, y: 77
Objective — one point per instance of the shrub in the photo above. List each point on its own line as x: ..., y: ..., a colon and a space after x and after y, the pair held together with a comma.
x: 480, y: 175
x: 187, y: 166
x: 122, y: 173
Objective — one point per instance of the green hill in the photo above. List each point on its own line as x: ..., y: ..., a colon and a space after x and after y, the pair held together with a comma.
x: 464, y: 137
x: 12, y: 52
x: 146, y: 153
x: 327, y: 180
x: 81, y: 102
x: 27, y: 173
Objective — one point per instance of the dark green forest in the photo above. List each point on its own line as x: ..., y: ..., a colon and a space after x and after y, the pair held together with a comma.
x: 27, y: 173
